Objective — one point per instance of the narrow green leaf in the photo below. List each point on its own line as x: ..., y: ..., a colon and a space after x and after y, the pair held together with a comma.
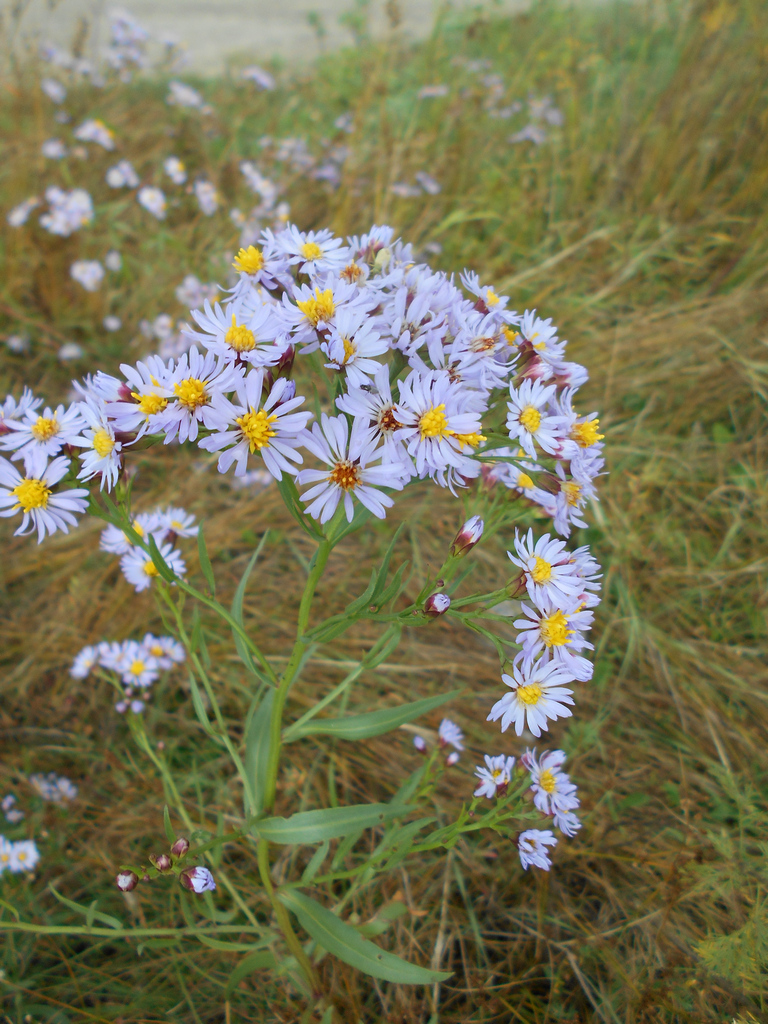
x: 205, y: 562
x: 237, y: 610
x: 170, y: 835
x: 394, y: 587
x: 346, y: 943
x: 253, y: 962
x: 160, y: 563
x: 384, y: 569
x: 315, y: 863
x: 88, y: 912
x: 236, y: 947
x: 383, y: 919
x: 290, y: 496
x: 256, y: 758
x: 91, y: 914
x: 327, y: 823
x: 371, y: 723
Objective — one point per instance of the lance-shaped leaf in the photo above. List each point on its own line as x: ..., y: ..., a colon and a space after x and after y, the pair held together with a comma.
x: 370, y: 723
x: 326, y: 823
x: 257, y: 753
x: 346, y: 943
x: 205, y: 561
x: 237, y: 611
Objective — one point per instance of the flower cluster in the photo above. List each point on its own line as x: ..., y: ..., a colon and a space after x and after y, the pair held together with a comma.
x: 135, y: 666
x: 165, y: 526
x: 16, y: 857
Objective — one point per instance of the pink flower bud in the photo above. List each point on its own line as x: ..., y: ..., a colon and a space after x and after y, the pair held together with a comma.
x: 197, y: 880
x: 180, y: 848
x: 161, y: 861
x: 467, y: 537
x: 420, y: 744
x: 437, y: 604
x: 127, y: 880
x: 453, y: 758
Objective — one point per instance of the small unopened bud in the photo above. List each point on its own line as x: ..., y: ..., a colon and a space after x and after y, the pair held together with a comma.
x: 420, y: 744
x: 127, y: 880
x: 161, y: 861
x: 467, y: 537
x: 453, y: 758
x: 517, y: 586
x: 197, y: 880
x: 284, y: 364
x: 180, y: 848
x: 437, y: 604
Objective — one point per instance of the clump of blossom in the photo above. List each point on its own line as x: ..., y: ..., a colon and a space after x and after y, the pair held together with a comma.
x: 88, y: 273
x: 153, y: 200
x: 533, y: 846
x: 53, y: 89
x: 68, y: 211
x: 113, y: 260
x: 133, y: 666
x: 127, y: 44
x: 94, y: 130
x: 193, y: 294
x: 495, y: 776
x: 53, y: 149
x: 12, y: 814
x: 111, y: 323
x: 17, y: 857
x: 175, y: 170
x: 122, y: 175
x: 253, y: 73
x: 166, y: 526
x: 207, y: 197
x: 56, y: 788
x: 449, y: 734
x: 20, y: 214
x: 182, y: 95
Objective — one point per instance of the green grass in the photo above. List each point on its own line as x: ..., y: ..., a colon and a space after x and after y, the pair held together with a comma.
x: 641, y: 227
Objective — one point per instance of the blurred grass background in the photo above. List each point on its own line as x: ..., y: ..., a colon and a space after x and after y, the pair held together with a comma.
x: 640, y: 225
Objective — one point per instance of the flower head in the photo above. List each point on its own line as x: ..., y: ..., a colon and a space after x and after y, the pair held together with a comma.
x: 42, y: 508
x: 537, y: 695
x: 495, y: 776
x: 197, y: 880
x: 532, y: 846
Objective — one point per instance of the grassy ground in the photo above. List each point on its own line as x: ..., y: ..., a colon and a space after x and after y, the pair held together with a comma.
x: 641, y: 226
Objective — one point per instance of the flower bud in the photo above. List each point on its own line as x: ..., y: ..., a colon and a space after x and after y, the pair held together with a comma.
x: 180, y: 848
x: 161, y: 861
x: 127, y: 880
x: 197, y: 880
x: 420, y: 744
x: 437, y: 604
x: 467, y: 537
x: 453, y: 758
x: 517, y: 586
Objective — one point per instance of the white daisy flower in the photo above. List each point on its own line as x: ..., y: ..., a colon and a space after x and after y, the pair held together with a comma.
x: 96, y: 131
x: 555, y: 635
x: 449, y: 734
x: 58, y: 789
x: 495, y: 777
x: 153, y: 200
x: 540, y: 337
x: 10, y: 409
x: 175, y: 170
x: 144, y: 397
x: 351, y: 344
x: 24, y: 855
x: 111, y: 655
x: 103, y: 456
x: 195, y: 381
x: 254, y: 336
x: 537, y: 695
x: 177, y: 521
x: 530, y: 419
x: 139, y: 668
x: 552, y: 789
x: 348, y: 458
x: 314, y: 252
x: 33, y: 496
x: 197, y: 880
x: 53, y: 89
x: 385, y: 418
x: 548, y: 570
x: 438, y: 426
x: 139, y: 569
x: 488, y: 300
x: 84, y: 662
x: 250, y: 424
x: 122, y: 175
x: 36, y: 437
x: 88, y: 273
x: 11, y: 813
x: 166, y: 651
x: 314, y: 308
x: 113, y: 260
x: 207, y: 197
x: 266, y: 266
x: 568, y: 822
x: 19, y: 215
x: 145, y: 524
x: 5, y: 854
x: 68, y: 210
x: 532, y: 846
x: 576, y: 489
x: 182, y: 95
x: 53, y: 149
x: 582, y: 432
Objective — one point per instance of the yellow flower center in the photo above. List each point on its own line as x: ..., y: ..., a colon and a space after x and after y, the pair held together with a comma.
x: 346, y: 475
x: 352, y: 273
x: 547, y: 781
x: 524, y: 480
x: 156, y: 651
x: 510, y: 334
x: 349, y: 350
x: 387, y: 420
x: 473, y: 440
x: 554, y: 630
x: 529, y: 695
x: 249, y: 261
x: 137, y: 667
x: 484, y: 344
x: 542, y: 571
x: 586, y: 434
x: 22, y: 855
x: 150, y: 569
x: 491, y: 298
x: 311, y: 251
x: 239, y: 337
x: 434, y: 423
x: 4, y: 858
x: 103, y: 444
x: 572, y: 492
x: 321, y: 307
x: 45, y: 429
x: 191, y: 393
x: 496, y: 773
x: 150, y: 404
x: 530, y: 418
x: 255, y: 426
x: 31, y: 494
